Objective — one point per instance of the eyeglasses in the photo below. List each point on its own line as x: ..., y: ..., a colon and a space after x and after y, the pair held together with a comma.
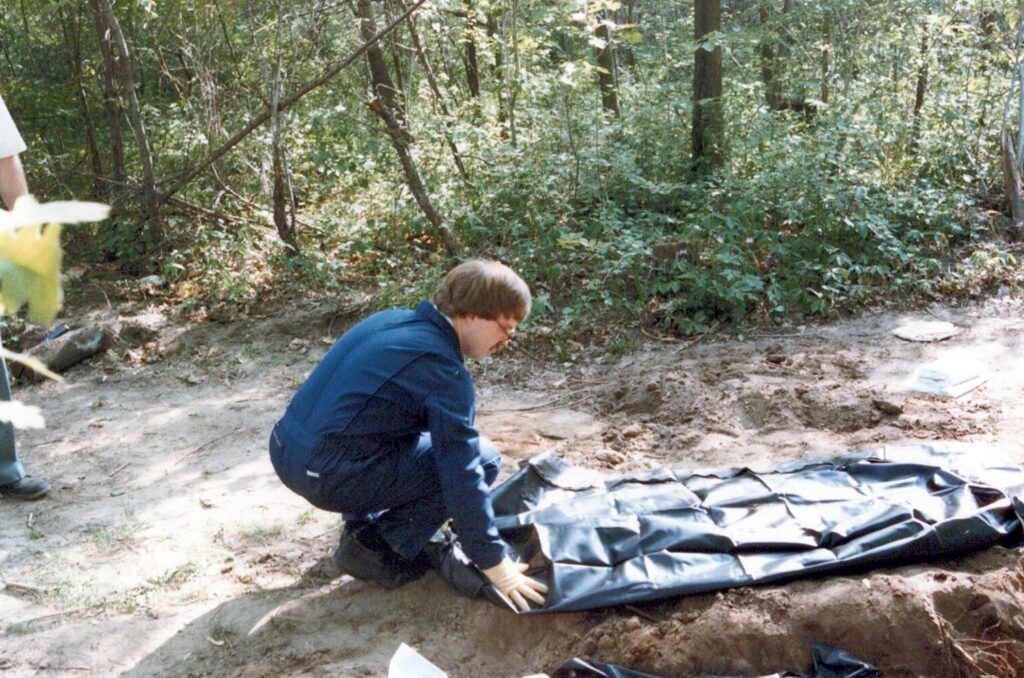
x: 509, y: 332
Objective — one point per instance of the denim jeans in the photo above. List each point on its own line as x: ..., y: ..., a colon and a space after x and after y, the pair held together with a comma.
x: 10, y: 468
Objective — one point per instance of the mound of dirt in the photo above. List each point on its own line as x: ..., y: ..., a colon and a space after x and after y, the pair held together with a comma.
x: 962, y: 618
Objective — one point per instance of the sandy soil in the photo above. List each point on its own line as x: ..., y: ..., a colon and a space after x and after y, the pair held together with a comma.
x: 168, y: 547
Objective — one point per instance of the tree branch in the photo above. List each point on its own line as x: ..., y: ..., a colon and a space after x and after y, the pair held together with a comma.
x: 286, y: 102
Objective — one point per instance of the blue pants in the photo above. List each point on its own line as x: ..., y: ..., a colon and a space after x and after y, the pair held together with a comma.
x: 398, y: 490
x: 10, y: 468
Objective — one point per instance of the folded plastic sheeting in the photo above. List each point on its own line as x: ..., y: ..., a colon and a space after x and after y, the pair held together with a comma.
x: 608, y: 540
x: 829, y: 662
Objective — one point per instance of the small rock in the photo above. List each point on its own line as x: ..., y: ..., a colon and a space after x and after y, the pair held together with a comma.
x: 633, y: 431
x: 887, y: 406
x: 610, y: 457
x: 775, y: 359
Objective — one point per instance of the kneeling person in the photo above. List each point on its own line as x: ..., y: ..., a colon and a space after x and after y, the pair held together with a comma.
x: 382, y: 431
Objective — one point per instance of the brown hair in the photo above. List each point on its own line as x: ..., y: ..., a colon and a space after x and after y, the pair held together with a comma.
x: 483, y: 288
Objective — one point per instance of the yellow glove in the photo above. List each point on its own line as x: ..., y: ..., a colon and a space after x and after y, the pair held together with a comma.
x: 509, y: 578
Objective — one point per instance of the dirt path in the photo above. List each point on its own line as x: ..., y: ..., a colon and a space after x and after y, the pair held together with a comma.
x: 168, y: 546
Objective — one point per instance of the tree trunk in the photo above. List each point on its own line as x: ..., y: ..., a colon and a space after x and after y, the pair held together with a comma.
x: 785, y: 36
x: 498, y: 68
x: 398, y: 127
x: 492, y: 35
x: 412, y: 176
x: 396, y: 57
x: 276, y: 187
x: 280, y: 193
x: 438, y: 97
x: 775, y: 48
x: 825, y: 56
x: 772, y: 95
x: 111, y: 104
x: 606, y: 75
x: 919, y: 92
x: 513, y: 87
x: 383, y: 85
x: 73, y: 45
x: 472, y: 66
x: 708, y: 122
x: 1011, y: 177
x: 152, y: 202
x: 24, y: 19
x: 628, y: 57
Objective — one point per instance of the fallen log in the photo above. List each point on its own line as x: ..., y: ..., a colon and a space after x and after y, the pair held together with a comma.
x: 68, y: 349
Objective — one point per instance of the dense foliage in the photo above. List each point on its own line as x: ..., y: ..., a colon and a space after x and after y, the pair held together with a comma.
x: 860, y: 146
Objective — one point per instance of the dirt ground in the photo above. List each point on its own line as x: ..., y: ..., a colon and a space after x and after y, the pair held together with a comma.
x: 168, y: 547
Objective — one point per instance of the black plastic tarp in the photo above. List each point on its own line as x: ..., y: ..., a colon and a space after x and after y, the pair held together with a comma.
x: 828, y: 662
x: 614, y: 539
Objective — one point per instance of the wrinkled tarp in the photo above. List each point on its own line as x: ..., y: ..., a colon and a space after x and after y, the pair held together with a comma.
x: 829, y: 662
x: 609, y: 540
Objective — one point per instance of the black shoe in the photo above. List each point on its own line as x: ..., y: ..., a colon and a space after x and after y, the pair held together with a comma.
x: 26, y: 489
x: 375, y: 561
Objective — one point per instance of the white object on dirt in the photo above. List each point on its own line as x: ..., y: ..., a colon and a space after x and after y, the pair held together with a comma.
x: 926, y: 330
x: 152, y: 281
x: 408, y: 663
x: 21, y: 415
x: 950, y: 377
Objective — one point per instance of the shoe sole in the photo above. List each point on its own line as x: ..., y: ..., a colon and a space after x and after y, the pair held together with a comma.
x: 24, y: 497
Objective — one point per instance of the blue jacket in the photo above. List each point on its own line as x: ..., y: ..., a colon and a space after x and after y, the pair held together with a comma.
x: 396, y: 374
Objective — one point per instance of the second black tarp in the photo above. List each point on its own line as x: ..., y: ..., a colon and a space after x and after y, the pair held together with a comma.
x: 608, y: 540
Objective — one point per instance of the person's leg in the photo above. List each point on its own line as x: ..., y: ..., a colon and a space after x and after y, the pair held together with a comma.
x: 392, y: 504
x: 408, y: 525
x: 14, y: 484
x: 11, y: 470
x: 490, y: 460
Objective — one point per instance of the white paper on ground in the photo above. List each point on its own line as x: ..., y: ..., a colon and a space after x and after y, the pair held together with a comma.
x: 408, y: 663
x: 926, y: 330
x: 949, y: 377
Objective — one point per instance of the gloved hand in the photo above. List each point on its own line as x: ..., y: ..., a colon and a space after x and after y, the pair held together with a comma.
x: 509, y: 578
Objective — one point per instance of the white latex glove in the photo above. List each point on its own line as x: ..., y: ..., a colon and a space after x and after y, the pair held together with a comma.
x: 509, y: 578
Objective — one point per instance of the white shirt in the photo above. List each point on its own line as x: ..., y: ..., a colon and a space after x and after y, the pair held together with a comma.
x: 11, y: 142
